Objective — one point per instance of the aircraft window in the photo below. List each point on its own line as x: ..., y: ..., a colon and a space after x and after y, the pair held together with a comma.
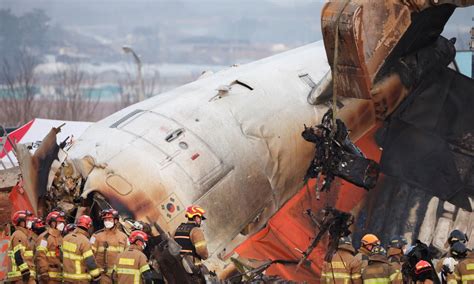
x: 125, y: 118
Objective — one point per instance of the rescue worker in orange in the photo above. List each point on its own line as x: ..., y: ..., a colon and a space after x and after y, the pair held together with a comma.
x: 464, y: 272
x: 48, y: 249
x: 132, y: 264
x: 378, y: 270
x: 78, y: 260
x: 395, y: 252
x: 344, y: 267
x: 368, y: 242
x: 21, y: 268
x: 108, y: 243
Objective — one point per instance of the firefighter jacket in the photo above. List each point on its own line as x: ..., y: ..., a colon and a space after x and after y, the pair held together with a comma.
x: 464, y: 271
x: 378, y: 271
x: 394, y: 258
x: 132, y: 267
x: 344, y: 268
x: 192, y: 241
x: 106, y: 245
x: 363, y: 257
x: 20, y: 251
x: 48, y: 254
x: 78, y: 260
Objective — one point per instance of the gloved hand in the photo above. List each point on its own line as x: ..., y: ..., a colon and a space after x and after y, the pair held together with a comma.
x: 96, y: 280
x: 448, y: 265
x: 25, y: 275
x: 44, y: 278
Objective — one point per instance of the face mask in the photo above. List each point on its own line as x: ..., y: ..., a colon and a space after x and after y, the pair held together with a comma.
x: 108, y: 224
x: 60, y: 226
x: 29, y: 224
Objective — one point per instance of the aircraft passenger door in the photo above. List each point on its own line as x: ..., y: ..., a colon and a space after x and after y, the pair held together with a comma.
x: 180, y: 146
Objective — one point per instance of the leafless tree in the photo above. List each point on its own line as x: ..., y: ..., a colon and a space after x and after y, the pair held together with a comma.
x: 74, y: 93
x: 18, y: 90
x: 129, y: 88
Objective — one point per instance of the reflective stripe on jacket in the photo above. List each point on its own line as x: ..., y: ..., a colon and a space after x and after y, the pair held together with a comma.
x: 344, y: 268
x: 48, y: 254
x: 131, y: 265
x: 20, y: 252
x: 78, y: 259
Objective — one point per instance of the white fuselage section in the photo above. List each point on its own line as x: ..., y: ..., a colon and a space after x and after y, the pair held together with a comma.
x: 239, y: 155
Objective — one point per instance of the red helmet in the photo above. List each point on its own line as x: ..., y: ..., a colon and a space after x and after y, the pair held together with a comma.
x: 38, y: 224
x: 422, y: 266
x: 20, y: 216
x: 138, y: 236
x: 56, y: 216
x: 84, y: 221
x: 109, y: 213
x: 195, y: 210
x: 69, y: 228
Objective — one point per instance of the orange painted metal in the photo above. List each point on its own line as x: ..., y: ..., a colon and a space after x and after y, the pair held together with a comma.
x: 291, y: 230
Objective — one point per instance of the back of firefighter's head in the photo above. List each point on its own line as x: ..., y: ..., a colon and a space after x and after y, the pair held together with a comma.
x: 345, y: 242
x: 38, y: 226
x: 23, y: 218
x: 195, y: 213
x: 458, y: 250
x: 56, y: 220
x: 138, y: 238
x: 423, y: 271
x: 110, y: 217
x: 398, y: 244
x: 457, y: 236
x: 369, y: 241
x: 84, y: 222
x: 378, y: 250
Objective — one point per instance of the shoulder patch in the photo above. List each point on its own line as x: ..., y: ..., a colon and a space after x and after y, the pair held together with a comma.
x: 92, y: 240
x: 44, y: 243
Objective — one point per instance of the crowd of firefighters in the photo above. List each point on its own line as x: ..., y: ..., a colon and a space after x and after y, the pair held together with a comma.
x: 374, y: 264
x: 56, y: 252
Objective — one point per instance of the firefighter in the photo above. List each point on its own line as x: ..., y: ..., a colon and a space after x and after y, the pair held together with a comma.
x: 191, y: 238
x: 395, y: 252
x: 368, y: 242
x: 447, y: 274
x: 378, y: 269
x: 344, y: 267
x: 423, y: 273
x: 20, y: 250
x: 78, y: 260
x: 464, y: 271
x: 132, y: 264
x: 37, y: 228
x: 108, y: 243
x: 48, y: 249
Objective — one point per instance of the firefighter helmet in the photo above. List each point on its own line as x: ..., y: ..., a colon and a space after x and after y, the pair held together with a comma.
x: 422, y: 266
x: 379, y: 250
x: 21, y: 216
x: 109, y: 213
x: 84, y: 222
x: 56, y: 216
x: 457, y: 236
x: 38, y: 226
x: 69, y: 228
x: 370, y: 239
x: 138, y: 236
x: 345, y: 241
x: 397, y: 242
x: 458, y: 250
x: 195, y: 210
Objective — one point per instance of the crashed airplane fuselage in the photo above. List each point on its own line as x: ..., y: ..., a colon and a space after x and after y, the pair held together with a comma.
x: 230, y: 142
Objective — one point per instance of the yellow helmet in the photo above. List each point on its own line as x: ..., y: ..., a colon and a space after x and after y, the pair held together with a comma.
x: 195, y: 210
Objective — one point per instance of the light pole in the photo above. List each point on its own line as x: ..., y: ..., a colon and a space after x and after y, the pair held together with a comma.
x: 140, y: 83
